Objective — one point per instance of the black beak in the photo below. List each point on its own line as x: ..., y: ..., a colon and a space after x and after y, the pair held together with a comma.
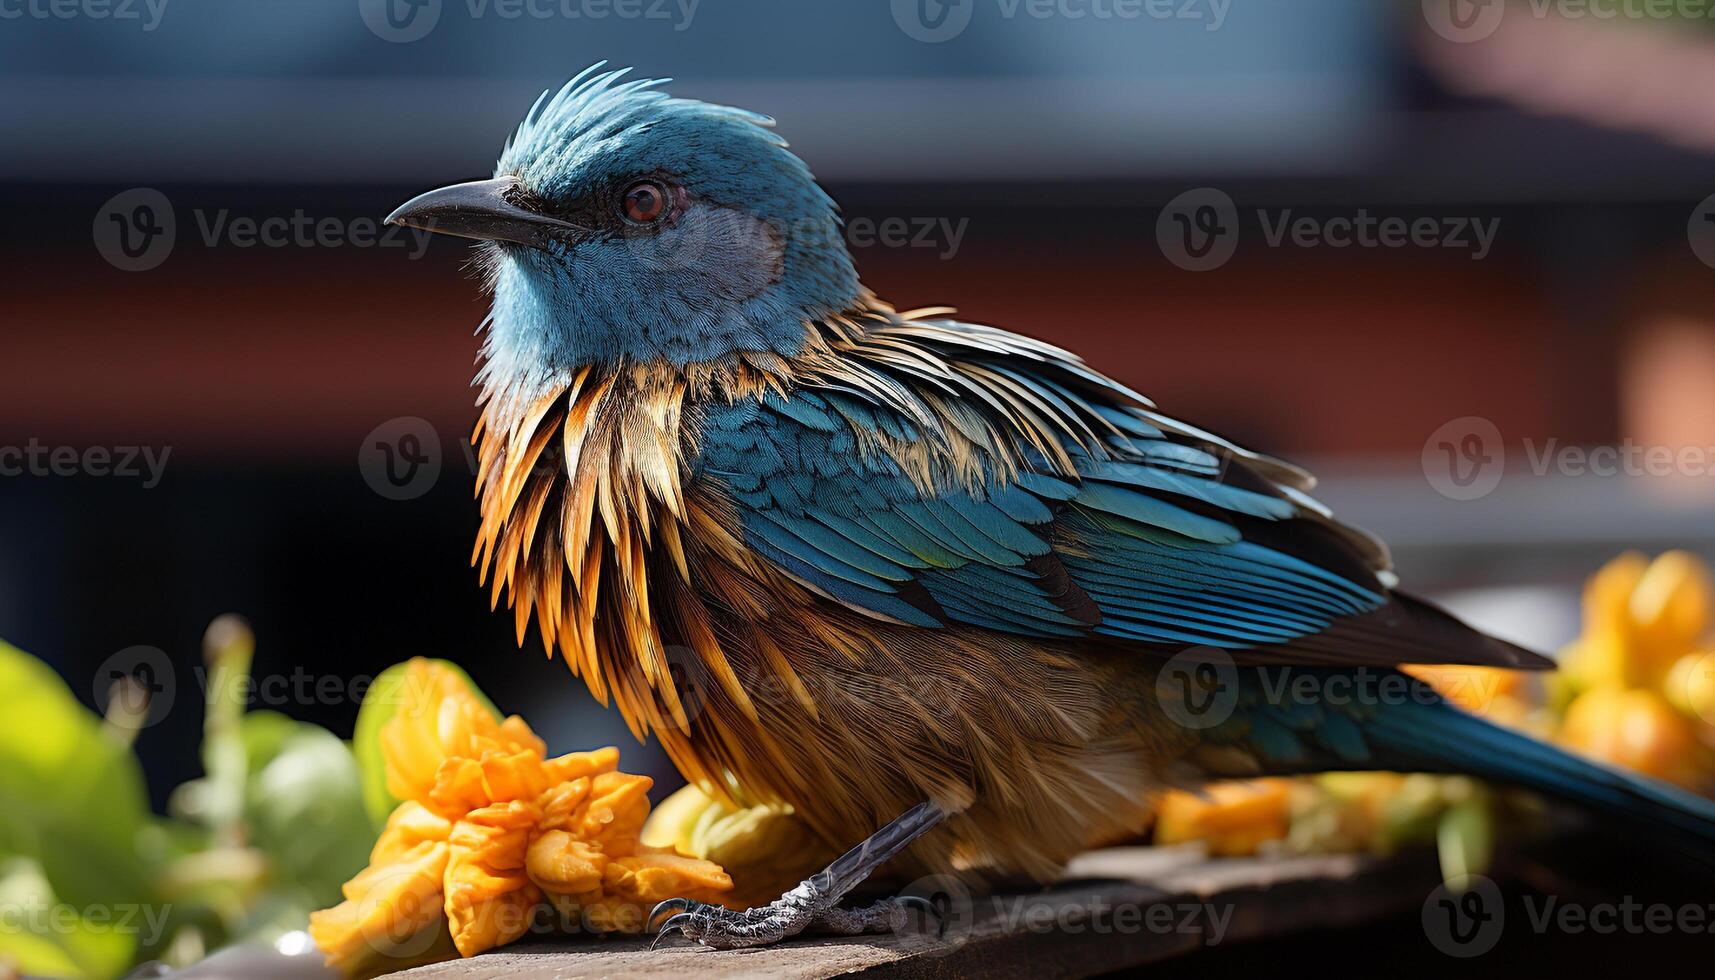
x: 480, y: 209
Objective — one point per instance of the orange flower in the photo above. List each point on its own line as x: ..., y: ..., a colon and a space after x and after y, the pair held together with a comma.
x: 1232, y: 818
x: 1638, y: 729
x: 489, y: 829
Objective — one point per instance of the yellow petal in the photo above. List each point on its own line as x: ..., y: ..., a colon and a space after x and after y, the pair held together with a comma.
x: 614, y: 814
x: 559, y: 804
x: 1669, y: 610
x: 559, y: 862
x: 1608, y: 593
x: 613, y: 915
x: 766, y: 848
x: 387, y: 908
x: 575, y: 765
x: 672, y: 821
x: 489, y: 898
x: 410, y: 824
x: 1639, y: 730
x: 1690, y: 685
x: 440, y: 718
x: 654, y: 877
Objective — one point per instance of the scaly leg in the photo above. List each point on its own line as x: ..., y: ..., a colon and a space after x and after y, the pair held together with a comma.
x: 815, y: 902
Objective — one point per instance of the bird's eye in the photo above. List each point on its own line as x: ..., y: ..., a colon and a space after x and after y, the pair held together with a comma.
x: 643, y: 202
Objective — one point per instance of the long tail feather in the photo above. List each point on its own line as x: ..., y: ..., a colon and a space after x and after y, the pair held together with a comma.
x: 1441, y: 738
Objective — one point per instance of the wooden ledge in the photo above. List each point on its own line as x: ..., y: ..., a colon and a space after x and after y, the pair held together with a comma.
x: 1117, y: 908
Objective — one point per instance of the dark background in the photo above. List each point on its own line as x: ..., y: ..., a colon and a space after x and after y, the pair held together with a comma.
x: 265, y: 370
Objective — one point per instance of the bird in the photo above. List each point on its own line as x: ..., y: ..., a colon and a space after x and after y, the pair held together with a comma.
x: 960, y: 599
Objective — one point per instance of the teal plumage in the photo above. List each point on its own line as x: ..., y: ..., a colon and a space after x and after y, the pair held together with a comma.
x: 854, y: 559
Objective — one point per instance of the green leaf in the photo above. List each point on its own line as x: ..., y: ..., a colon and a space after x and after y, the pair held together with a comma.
x: 304, y: 807
x: 45, y: 937
x: 380, y: 703
x: 71, y: 797
x: 1465, y: 838
x: 265, y: 734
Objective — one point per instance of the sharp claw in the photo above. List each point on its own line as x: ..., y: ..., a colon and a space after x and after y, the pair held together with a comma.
x: 932, y: 911
x: 678, y: 921
x: 670, y: 905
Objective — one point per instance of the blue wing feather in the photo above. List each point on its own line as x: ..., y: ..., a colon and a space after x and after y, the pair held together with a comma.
x: 1148, y: 538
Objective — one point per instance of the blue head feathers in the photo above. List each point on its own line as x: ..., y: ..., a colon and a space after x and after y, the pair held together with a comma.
x: 643, y: 227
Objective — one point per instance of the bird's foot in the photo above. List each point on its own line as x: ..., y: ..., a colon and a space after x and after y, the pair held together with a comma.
x: 803, y: 909
x: 794, y: 912
x: 816, y: 901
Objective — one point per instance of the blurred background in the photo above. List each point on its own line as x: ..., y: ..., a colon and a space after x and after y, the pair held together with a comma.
x: 1437, y: 252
